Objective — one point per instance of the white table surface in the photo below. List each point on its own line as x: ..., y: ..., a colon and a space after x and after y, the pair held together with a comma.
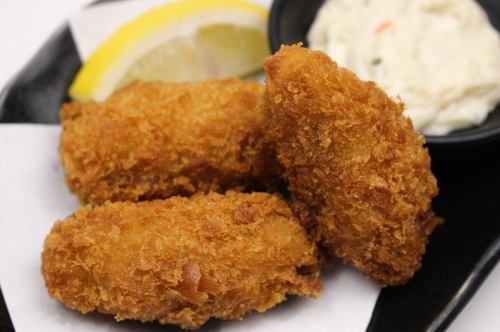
x: 26, y: 24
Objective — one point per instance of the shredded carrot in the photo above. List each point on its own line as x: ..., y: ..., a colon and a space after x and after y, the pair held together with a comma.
x: 384, y: 25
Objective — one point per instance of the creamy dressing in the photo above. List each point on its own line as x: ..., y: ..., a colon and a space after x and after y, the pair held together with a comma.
x: 441, y: 57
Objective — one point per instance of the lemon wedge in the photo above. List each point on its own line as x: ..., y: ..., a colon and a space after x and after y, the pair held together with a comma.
x: 183, y: 41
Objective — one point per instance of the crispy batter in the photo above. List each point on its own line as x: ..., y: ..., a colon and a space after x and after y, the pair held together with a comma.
x: 155, y: 140
x: 358, y: 172
x: 181, y: 260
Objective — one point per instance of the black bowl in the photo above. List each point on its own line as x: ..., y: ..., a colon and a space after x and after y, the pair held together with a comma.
x: 290, y: 21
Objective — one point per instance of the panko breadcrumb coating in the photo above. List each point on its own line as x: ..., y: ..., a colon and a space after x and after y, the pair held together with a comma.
x: 358, y: 172
x: 155, y: 140
x: 182, y: 260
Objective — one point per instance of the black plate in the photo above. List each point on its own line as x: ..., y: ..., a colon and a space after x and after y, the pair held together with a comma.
x: 461, y: 254
x: 290, y: 21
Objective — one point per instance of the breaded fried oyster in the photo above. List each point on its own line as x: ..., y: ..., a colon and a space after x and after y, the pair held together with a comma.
x: 181, y: 260
x: 155, y: 140
x: 358, y: 172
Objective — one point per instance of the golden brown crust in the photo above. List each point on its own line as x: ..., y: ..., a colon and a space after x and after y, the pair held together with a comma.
x: 357, y: 170
x: 155, y: 140
x: 180, y: 261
